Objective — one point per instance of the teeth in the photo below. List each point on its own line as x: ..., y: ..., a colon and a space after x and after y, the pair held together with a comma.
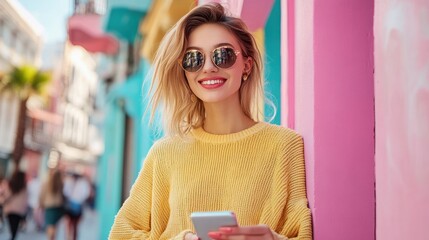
x: 212, y: 82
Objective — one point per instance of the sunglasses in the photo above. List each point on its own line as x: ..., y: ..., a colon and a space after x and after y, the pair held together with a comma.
x: 222, y: 57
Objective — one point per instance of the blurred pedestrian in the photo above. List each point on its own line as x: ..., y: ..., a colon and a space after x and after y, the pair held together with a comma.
x: 76, y: 192
x: 3, y: 187
x: 33, y: 186
x: 16, y: 203
x: 51, y: 200
x: 91, y: 198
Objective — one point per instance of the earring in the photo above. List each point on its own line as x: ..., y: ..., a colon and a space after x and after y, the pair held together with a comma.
x: 193, y: 98
x: 245, y: 76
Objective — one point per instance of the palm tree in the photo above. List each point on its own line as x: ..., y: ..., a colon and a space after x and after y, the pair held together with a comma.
x: 24, y: 81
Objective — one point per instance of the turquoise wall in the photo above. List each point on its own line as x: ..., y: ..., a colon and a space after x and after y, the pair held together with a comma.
x: 272, y: 58
x: 130, y: 98
x: 135, y: 92
x: 110, y: 167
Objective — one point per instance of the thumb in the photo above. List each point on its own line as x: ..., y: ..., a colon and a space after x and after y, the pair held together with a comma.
x: 191, y: 236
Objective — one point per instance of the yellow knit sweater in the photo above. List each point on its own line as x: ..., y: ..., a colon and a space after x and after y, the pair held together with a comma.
x: 257, y: 173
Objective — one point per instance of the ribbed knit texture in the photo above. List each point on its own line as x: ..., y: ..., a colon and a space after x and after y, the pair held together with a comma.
x: 257, y: 173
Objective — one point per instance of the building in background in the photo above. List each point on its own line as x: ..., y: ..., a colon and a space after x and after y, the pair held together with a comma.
x: 79, y: 141
x: 21, y: 38
x: 44, y: 119
x: 21, y: 43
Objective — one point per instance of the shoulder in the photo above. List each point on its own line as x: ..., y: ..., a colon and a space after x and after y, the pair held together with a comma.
x: 166, y: 144
x: 165, y: 148
x: 281, y: 133
x: 158, y: 160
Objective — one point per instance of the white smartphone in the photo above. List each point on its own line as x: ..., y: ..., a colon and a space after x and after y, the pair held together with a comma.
x: 205, y: 222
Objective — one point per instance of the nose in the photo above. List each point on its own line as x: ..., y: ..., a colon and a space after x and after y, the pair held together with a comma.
x: 209, y: 66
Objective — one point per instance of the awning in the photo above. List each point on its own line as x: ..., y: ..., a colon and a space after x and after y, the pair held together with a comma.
x: 85, y: 30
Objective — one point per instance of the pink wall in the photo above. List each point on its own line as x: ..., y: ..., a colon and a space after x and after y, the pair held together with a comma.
x: 402, y: 115
x: 298, y: 96
x: 334, y: 111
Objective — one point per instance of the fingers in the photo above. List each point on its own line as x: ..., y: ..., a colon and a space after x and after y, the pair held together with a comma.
x: 241, y: 237
x: 246, y: 230
x: 242, y: 233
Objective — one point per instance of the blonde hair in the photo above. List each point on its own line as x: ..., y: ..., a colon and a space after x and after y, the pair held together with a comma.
x: 170, y: 92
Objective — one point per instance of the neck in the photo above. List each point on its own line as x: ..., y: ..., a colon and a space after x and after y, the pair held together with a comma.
x: 225, y: 119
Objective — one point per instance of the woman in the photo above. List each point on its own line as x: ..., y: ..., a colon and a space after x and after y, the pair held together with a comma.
x: 15, y: 206
x: 217, y: 155
x: 52, y: 201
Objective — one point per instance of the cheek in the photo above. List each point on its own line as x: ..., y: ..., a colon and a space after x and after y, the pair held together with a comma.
x: 237, y: 72
x: 190, y: 79
x: 188, y: 76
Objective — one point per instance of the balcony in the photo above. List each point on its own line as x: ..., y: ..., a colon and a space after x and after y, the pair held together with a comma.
x: 85, y: 30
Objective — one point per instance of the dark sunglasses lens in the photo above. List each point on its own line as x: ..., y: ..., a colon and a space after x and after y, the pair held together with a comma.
x: 224, y: 57
x: 192, y: 61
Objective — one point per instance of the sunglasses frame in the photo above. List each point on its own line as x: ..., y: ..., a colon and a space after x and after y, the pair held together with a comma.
x: 180, y: 61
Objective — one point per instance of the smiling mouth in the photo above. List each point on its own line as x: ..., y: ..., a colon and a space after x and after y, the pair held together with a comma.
x: 212, y: 82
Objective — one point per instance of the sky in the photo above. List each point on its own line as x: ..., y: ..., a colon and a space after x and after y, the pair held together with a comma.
x: 52, y: 15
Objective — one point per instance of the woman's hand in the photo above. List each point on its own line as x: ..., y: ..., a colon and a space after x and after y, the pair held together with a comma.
x: 191, y: 236
x: 257, y: 232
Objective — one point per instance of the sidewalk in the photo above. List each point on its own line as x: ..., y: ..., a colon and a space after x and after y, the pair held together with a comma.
x: 88, y: 229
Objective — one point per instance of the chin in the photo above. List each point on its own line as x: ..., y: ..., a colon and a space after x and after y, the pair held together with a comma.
x: 212, y: 100
x: 216, y: 100
x: 218, y: 97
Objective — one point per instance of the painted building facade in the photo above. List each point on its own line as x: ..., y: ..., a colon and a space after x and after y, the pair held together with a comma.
x: 354, y: 84
x: 20, y: 43
x: 328, y: 97
x: 20, y: 36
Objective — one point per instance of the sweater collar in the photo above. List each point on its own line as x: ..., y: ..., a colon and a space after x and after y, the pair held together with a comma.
x: 202, y: 135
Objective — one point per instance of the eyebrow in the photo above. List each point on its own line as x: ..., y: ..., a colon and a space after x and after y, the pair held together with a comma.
x: 215, y: 46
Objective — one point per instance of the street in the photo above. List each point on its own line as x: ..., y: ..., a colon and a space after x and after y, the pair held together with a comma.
x: 88, y: 229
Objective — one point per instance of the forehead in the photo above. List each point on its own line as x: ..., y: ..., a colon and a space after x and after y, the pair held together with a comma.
x: 208, y: 36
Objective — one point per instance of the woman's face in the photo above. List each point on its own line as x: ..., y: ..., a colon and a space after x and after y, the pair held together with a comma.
x: 211, y: 83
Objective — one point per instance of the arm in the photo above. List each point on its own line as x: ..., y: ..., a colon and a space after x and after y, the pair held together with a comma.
x: 297, y: 222
x: 133, y: 218
x: 7, y: 194
x: 42, y: 196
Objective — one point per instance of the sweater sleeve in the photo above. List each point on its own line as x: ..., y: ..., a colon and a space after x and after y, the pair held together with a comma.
x: 133, y: 220
x: 297, y: 217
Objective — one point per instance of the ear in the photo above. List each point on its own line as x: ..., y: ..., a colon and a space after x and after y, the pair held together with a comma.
x: 248, y: 64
